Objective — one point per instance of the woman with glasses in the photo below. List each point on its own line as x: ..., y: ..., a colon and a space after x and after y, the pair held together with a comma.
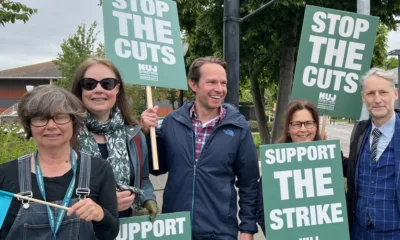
x: 57, y: 173
x: 112, y: 133
x: 301, y: 124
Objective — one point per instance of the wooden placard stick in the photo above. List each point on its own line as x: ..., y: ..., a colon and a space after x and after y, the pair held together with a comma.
x: 323, y: 125
x: 40, y: 201
x: 152, y: 130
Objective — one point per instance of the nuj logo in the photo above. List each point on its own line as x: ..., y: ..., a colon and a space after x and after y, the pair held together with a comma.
x: 147, y: 68
x: 327, y: 96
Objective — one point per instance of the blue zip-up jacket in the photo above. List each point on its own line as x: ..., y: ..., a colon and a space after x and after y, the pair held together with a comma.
x: 206, y: 189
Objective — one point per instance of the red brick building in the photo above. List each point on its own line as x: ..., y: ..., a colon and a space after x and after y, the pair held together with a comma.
x: 13, y: 82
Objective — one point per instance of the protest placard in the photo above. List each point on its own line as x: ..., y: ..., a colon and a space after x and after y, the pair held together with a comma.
x: 303, y: 191
x: 335, y: 51
x: 143, y: 39
x: 173, y: 226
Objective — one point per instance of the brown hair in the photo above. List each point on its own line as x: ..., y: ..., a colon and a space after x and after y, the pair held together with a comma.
x: 194, y: 70
x: 47, y: 100
x: 121, y: 100
x: 293, y: 107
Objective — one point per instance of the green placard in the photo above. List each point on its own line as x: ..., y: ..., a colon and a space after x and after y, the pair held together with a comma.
x: 143, y: 39
x: 173, y: 226
x: 303, y: 191
x: 335, y: 51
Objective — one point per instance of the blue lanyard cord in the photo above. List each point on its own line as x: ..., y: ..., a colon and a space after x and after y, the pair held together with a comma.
x: 67, y: 198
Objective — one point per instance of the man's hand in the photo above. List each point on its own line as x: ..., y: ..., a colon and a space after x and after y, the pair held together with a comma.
x: 246, y: 236
x: 149, y: 119
x: 125, y: 200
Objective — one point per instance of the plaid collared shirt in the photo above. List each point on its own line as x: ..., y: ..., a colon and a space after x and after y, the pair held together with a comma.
x: 203, y: 131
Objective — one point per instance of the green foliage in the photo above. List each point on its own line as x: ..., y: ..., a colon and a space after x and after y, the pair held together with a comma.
x: 270, y: 96
x: 245, y: 95
x: 391, y: 63
x: 13, y: 143
x: 257, y: 140
x: 137, y: 95
x: 253, y: 126
x: 82, y: 45
x: 75, y: 50
x: 380, y: 52
x: 13, y: 11
x: 257, y: 143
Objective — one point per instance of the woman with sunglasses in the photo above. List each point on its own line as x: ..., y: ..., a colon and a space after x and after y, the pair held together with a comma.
x: 301, y: 124
x: 57, y: 172
x: 112, y: 133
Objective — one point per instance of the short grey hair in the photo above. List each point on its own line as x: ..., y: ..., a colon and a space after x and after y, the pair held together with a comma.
x: 48, y: 100
x: 390, y: 76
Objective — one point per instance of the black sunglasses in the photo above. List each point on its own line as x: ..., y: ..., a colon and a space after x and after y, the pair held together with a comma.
x: 106, y: 83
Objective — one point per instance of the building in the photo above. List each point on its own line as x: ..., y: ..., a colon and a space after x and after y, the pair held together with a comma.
x: 14, y: 82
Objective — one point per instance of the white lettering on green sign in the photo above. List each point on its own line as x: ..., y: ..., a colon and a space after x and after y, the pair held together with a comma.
x: 306, y: 216
x: 303, y: 183
x: 311, y: 176
x: 337, y: 53
x: 147, y: 28
x: 347, y: 25
x: 283, y: 155
x: 158, y: 228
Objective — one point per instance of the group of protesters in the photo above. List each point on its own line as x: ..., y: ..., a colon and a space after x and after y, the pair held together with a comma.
x: 93, y: 157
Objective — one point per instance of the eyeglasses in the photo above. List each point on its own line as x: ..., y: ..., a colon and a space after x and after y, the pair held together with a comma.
x: 59, y: 119
x: 107, y: 83
x: 307, y: 124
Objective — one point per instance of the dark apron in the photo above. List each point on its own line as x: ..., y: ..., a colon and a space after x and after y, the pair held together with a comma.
x: 32, y: 223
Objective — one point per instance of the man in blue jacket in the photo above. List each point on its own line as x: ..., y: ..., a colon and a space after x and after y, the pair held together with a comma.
x: 206, y: 147
x: 373, y: 166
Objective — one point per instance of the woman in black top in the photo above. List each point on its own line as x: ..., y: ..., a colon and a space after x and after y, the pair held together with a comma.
x: 56, y: 173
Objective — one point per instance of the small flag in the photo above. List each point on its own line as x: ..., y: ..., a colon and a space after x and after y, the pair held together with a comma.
x: 5, y: 201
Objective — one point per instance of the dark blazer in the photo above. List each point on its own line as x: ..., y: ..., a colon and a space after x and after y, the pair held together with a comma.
x: 350, y: 164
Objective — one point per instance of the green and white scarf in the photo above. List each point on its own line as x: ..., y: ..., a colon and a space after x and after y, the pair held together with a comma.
x: 114, y: 132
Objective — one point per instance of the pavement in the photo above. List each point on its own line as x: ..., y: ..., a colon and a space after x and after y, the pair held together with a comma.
x: 340, y: 131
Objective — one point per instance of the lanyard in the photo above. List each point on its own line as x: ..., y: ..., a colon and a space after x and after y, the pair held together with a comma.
x: 67, y: 198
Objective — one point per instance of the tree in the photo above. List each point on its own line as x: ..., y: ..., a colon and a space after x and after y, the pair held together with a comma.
x: 82, y: 45
x: 12, y: 11
x: 391, y: 63
x: 269, y: 42
x: 75, y: 50
x: 380, y: 47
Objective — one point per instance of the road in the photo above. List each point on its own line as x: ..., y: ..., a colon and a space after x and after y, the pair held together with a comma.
x: 341, y: 131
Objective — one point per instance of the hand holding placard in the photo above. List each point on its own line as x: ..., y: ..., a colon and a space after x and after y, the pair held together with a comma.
x: 143, y: 39
x: 152, y: 131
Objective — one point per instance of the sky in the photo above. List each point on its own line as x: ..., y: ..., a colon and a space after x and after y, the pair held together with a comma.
x: 39, y: 39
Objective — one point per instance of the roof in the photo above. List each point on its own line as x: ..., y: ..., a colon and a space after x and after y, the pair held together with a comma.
x: 45, y: 70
